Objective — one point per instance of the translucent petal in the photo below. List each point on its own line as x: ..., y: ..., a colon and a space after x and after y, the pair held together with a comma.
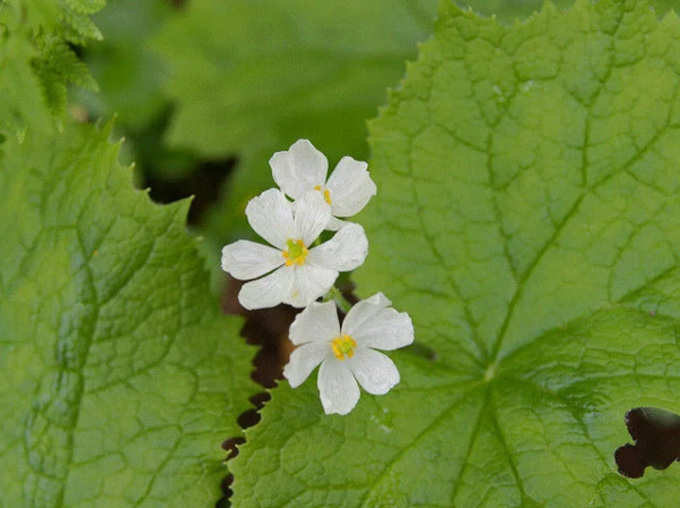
x: 303, y: 361
x: 364, y: 311
x: 344, y: 252
x: 350, y: 186
x: 310, y: 282
x: 375, y: 372
x: 271, y: 216
x: 387, y: 330
x: 318, y: 322
x: 337, y: 387
x: 335, y: 224
x: 268, y: 291
x: 312, y: 214
x: 299, y: 169
x: 246, y: 260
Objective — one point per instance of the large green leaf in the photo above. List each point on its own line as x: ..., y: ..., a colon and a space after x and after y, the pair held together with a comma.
x: 120, y: 378
x: 509, y: 10
x: 251, y: 77
x: 528, y: 218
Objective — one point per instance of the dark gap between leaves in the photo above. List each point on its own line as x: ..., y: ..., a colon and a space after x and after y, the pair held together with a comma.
x: 268, y: 329
x: 656, y: 433
x: 204, y: 183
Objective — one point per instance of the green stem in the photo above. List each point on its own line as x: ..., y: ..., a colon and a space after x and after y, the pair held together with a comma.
x: 336, y: 295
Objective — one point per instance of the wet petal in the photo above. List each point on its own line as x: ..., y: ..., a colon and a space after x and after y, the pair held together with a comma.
x: 311, y: 216
x: 338, y: 390
x: 310, y: 282
x: 350, y: 186
x: 375, y: 372
x: 271, y: 216
x: 344, y: 252
x: 335, y: 224
x: 387, y: 329
x: 268, y: 291
x: 303, y: 361
x: 318, y: 322
x: 246, y: 260
x: 364, y: 311
x: 299, y: 169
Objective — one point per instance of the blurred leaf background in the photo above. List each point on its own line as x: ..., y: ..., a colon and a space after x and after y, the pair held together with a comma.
x: 206, y: 91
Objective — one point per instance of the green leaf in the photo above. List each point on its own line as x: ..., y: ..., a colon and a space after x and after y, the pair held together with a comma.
x: 509, y: 10
x: 251, y: 77
x: 120, y: 375
x: 58, y: 66
x: 528, y: 219
x: 129, y: 74
x: 37, y: 62
x: 22, y: 101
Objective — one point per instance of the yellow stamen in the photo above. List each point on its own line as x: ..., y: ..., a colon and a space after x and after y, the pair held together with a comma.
x: 343, y: 347
x: 326, y: 194
x: 296, y: 253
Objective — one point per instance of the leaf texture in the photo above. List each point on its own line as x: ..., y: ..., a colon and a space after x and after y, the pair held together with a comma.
x: 120, y: 376
x: 528, y: 219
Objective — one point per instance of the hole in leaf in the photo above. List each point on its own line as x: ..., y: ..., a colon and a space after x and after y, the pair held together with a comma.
x: 656, y: 433
x: 226, y: 490
x: 231, y: 445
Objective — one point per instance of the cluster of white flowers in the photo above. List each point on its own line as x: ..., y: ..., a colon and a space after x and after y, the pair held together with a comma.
x: 298, y: 272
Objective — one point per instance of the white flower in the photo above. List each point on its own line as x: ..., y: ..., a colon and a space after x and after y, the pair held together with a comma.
x: 301, y: 275
x: 345, y: 353
x: 302, y: 168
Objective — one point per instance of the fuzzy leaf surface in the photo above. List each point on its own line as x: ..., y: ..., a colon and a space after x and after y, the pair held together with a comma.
x: 38, y: 62
x: 528, y: 219
x: 120, y: 378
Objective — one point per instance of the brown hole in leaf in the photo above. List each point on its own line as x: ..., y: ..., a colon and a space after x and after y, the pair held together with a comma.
x: 231, y: 446
x: 656, y: 433
x: 226, y: 490
x: 268, y: 329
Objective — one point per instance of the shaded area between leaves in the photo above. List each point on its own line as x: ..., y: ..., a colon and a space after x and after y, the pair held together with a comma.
x: 656, y: 433
x: 203, y: 183
x: 267, y: 328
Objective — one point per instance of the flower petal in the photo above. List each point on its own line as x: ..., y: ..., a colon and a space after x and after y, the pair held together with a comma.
x: 299, y: 169
x: 312, y: 214
x: 303, y: 361
x: 351, y: 187
x: 345, y: 251
x: 246, y: 260
x: 268, y: 291
x: 364, y: 311
x: 271, y: 216
x: 310, y: 282
x: 387, y: 330
x: 318, y: 322
x: 372, y: 323
x: 338, y: 390
x: 335, y: 224
x: 375, y: 372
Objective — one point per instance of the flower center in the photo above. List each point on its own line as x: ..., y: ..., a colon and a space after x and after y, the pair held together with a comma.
x: 296, y: 253
x: 326, y: 194
x: 343, y: 347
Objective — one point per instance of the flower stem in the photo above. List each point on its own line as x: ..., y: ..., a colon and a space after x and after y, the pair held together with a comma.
x: 340, y: 300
